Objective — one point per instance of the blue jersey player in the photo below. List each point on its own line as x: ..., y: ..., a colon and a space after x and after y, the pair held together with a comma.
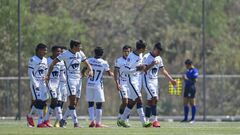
x: 190, y: 78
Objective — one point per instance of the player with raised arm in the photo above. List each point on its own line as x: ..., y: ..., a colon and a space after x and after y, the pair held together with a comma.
x: 37, y: 70
x: 134, y: 68
x: 190, y: 78
x: 153, y: 63
x: 72, y: 59
x: 53, y: 86
x: 121, y: 78
x: 94, y: 88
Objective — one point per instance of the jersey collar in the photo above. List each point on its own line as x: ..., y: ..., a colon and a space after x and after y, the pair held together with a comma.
x: 152, y: 55
x: 135, y: 53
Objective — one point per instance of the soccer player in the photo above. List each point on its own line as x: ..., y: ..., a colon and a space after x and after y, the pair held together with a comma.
x: 134, y: 68
x: 37, y: 70
x: 153, y: 63
x: 190, y: 78
x: 53, y: 86
x: 121, y: 78
x: 62, y: 90
x: 94, y: 90
x: 72, y: 59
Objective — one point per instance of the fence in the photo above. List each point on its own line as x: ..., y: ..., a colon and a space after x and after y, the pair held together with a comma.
x: 222, y: 97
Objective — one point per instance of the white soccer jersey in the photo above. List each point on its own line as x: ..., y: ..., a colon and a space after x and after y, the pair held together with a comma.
x: 37, y: 70
x: 150, y: 78
x: 152, y: 73
x: 58, y: 69
x: 72, y: 63
x: 133, y: 60
x: 99, y: 66
x: 134, y: 76
x: 120, y: 63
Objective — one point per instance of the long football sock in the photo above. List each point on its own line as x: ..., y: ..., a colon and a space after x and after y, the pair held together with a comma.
x: 58, y: 111
x: 48, y: 114
x: 141, y: 114
x: 98, y: 116
x: 148, y: 112
x: 186, y: 110
x: 193, y: 112
x: 154, y: 112
x: 40, y: 116
x: 91, y: 113
x: 73, y: 113
x: 126, y: 113
x: 66, y: 114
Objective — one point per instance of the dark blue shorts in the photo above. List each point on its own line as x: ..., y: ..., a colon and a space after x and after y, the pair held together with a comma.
x: 189, y: 92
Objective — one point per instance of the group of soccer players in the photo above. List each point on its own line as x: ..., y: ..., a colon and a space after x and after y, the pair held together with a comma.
x: 59, y: 76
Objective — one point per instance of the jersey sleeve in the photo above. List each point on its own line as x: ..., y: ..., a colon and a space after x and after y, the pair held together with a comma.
x: 160, y: 65
x: 61, y: 57
x: 31, y: 65
x: 194, y: 74
x: 146, y: 60
x: 106, y: 66
x: 83, y: 56
x: 62, y: 72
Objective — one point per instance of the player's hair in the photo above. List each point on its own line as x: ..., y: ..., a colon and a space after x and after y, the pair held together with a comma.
x: 74, y: 43
x: 40, y: 46
x: 188, y: 62
x: 55, y: 47
x: 158, y: 46
x: 98, y: 51
x: 125, y: 47
x: 64, y: 47
x: 140, y: 44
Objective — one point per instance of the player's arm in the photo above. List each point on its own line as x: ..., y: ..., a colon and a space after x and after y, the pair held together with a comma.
x: 54, y: 62
x: 89, y: 67
x: 128, y: 68
x: 150, y: 65
x: 168, y: 76
x: 116, y: 76
x: 110, y: 73
x: 31, y: 74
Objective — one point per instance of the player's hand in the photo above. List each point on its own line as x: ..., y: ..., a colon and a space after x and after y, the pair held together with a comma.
x: 90, y: 73
x: 173, y: 82
x: 155, y: 62
x: 141, y: 67
x: 185, y: 77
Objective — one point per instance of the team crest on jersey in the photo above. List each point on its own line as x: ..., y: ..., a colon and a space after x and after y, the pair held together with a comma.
x: 154, y: 71
x: 128, y: 59
x: 55, y: 73
x: 75, y: 65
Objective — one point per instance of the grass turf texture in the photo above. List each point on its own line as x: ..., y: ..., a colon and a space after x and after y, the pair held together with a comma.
x: 11, y: 127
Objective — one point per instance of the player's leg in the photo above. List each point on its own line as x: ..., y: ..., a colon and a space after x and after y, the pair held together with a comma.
x: 40, y: 105
x: 51, y: 108
x: 123, y: 121
x: 124, y: 97
x: 91, y: 110
x: 193, y: 104
x: 155, y: 123
x: 148, y: 110
x: 30, y: 114
x: 99, y: 98
x: 186, y: 109
x: 141, y: 112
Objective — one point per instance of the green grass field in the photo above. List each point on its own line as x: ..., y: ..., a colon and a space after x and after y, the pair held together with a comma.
x: 10, y: 127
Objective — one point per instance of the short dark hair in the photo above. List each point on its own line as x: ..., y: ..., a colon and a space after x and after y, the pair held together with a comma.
x: 64, y: 47
x: 140, y: 44
x: 98, y: 51
x: 125, y: 47
x: 188, y: 62
x: 158, y: 46
x: 74, y: 43
x: 40, y: 46
x: 55, y: 47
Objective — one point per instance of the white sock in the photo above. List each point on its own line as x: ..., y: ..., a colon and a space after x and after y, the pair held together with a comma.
x: 49, y: 113
x: 66, y: 114
x: 74, y: 116
x: 141, y: 114
x: 155, y: 118
x: 58, y: 111
x: 125, y: 113
x: 31, y: 113
x: 98, y: 116
x: 40, y: 116
x: 147, y: 119
x: 91, y: 113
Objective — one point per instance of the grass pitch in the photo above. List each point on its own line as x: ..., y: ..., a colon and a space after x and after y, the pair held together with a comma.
x: 11, y: 127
